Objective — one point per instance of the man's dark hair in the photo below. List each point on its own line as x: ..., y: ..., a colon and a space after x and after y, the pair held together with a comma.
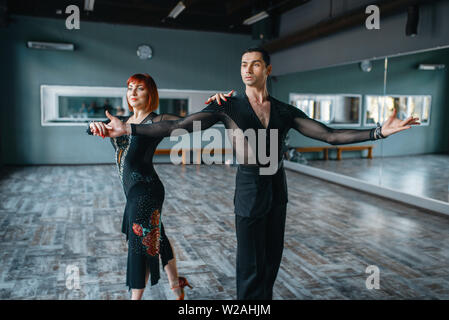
x: 265, y: 55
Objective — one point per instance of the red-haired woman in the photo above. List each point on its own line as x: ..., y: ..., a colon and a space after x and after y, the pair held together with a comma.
x: 144, y: 192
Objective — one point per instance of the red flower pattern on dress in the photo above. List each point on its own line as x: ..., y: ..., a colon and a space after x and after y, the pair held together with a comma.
x: 137, y: 228
x: 151, y: 241
x: 155, y: 218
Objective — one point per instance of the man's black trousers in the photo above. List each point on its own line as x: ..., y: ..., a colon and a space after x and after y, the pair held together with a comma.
x: 260, y: 242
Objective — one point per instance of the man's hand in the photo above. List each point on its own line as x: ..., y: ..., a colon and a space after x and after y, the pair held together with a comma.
x: 115, y: 128
x: 393, y: 124
x: 219, y: 96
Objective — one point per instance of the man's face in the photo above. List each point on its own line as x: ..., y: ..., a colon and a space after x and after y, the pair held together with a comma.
x: 253, y: 70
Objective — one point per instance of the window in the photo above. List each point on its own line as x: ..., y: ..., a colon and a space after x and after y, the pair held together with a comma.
x: 77, y: 105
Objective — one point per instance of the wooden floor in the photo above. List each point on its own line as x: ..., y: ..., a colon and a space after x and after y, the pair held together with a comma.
x: 55, y: 216
x: 424, y: 175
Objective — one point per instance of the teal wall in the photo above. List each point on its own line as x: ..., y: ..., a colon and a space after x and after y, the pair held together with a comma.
x: 403, y: 77
x: 105, y: 55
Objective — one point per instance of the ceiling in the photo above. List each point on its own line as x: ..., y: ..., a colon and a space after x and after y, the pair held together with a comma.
x: 203, y: 15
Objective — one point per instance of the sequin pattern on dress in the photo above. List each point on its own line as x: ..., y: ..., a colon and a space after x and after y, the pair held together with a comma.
x: 121, y: 149
x: 146, y: 227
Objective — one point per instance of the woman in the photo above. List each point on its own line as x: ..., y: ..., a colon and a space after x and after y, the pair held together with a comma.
x: 144, y: 192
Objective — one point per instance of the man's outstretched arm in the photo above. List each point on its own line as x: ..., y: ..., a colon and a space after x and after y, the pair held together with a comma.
x: 317, y: 130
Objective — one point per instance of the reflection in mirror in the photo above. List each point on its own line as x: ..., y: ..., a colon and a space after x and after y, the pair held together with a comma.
x: 380, y: 108
x: 177, y: 106
x: 87, y: 108
x: 330, y: 109
x: 416, y: 161
x: 413, y: 161
x: 335, y: 97
x: 77, y: 105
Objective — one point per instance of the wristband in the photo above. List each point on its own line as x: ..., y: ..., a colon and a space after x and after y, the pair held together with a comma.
x: 378, y: 132
x: 89, y: 130
x: 371, y: 134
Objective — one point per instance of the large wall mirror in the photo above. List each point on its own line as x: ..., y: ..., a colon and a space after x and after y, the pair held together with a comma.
x: 414, y: 161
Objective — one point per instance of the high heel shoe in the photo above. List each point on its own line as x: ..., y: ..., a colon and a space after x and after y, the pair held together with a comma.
x: 182, y: 282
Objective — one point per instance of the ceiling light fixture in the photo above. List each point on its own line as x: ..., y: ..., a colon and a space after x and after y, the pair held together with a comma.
x: 431, y: 66
x: 255, y: 18
x: 50, y: 46
x: 177, y: 10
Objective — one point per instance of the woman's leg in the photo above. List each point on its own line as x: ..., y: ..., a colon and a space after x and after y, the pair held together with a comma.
x: 136, y: 294
x: 172, y: 273
x: 168, y: 258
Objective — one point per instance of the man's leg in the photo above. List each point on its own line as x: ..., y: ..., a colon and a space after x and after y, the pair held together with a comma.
x: 275, y: 229
x: 251, y: 241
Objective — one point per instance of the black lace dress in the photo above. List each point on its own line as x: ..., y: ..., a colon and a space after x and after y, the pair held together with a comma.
x: 147, y: 241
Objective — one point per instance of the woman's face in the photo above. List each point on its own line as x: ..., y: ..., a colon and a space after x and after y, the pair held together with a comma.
x: 137, y: 95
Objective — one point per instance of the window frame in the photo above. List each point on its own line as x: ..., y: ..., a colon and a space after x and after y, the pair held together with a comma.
x: 50, y: 98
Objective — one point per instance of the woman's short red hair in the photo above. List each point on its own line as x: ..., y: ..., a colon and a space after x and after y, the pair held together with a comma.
x: 148, y: 82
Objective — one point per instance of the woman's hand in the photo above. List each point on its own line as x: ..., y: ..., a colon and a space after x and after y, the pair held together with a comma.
x: 219, y: 96
x: 393, y: 124
x: 98, y: 129
x: 115, y: 127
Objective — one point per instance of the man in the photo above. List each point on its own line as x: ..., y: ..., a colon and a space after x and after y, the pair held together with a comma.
x: 260, y: 200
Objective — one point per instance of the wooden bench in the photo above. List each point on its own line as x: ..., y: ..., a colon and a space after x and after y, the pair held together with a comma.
x: 340, y: 149
x: 198, y: 152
